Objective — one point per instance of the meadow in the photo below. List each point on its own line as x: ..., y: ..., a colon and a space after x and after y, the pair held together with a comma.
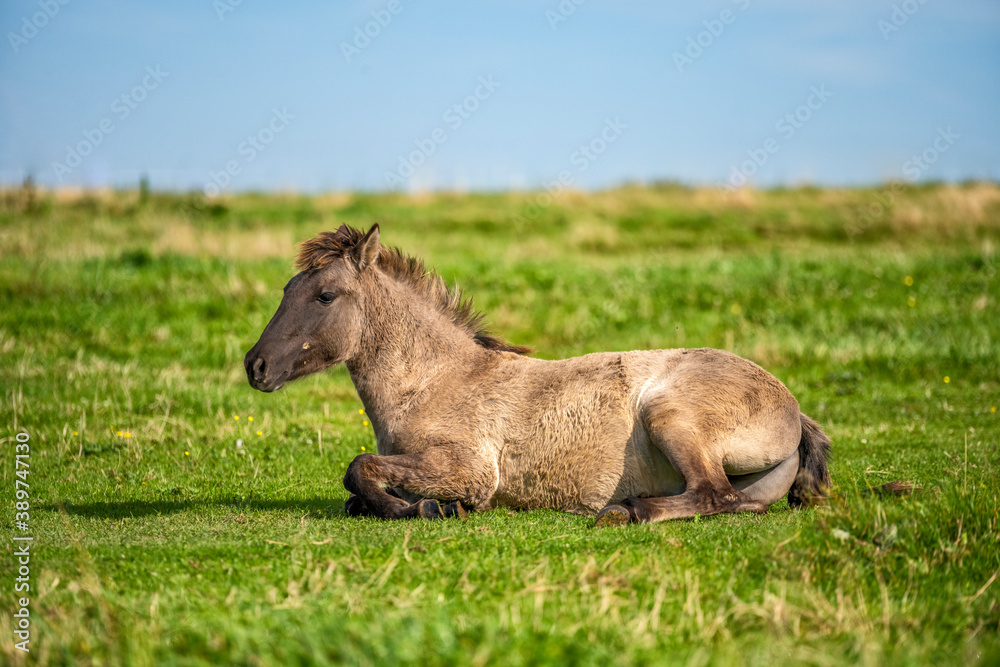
x: 181, y: 518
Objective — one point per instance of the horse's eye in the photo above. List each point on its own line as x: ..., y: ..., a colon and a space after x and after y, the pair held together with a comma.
x: 326, y: 298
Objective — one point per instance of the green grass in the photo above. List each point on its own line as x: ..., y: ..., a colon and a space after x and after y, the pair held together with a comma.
x: 160, y: 540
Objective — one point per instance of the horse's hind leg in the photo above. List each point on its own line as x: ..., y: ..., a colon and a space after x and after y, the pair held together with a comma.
x: 755, y: 493
x: 707, y: 489
x: 707, y: 498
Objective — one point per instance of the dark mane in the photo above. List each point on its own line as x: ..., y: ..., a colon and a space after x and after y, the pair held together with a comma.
x: 321, y: 251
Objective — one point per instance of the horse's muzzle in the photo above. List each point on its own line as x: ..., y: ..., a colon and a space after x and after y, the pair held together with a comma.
x: 257, y: 373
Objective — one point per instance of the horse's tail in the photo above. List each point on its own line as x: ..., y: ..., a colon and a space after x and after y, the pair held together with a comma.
x: 812, y: 483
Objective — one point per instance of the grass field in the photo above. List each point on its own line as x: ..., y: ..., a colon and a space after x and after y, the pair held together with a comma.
x: 181, y: 517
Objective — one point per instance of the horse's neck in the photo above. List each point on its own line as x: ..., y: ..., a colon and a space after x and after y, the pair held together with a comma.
x: 409, y: 346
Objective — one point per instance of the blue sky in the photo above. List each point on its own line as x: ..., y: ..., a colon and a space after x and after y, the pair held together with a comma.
x: 228, y: 96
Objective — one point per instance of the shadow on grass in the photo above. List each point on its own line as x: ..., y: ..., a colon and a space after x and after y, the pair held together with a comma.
x: 318, y: 507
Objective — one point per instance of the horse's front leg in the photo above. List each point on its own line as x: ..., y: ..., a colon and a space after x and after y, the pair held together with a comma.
x: 355, y: 505
x: 448, y: 481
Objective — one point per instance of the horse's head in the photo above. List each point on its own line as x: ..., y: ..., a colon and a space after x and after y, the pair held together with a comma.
x: 319, y: 321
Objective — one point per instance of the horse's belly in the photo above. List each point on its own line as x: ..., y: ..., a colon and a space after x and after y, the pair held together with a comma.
x: 586, y: 476
x: 581, y: 444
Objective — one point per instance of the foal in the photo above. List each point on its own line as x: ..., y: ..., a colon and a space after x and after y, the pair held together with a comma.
x: 465, y: 421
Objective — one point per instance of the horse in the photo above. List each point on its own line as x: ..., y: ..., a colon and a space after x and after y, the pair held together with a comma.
x: 466, y: 421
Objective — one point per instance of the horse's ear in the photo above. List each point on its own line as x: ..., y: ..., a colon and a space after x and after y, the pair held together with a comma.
x: 367, y: 249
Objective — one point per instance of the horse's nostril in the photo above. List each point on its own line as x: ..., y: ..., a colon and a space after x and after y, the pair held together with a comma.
x: 259, y: 369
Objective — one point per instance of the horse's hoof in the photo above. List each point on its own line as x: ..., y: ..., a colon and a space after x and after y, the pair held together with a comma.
x: 612, y: 515
x: 455, y: 509
x: 355, y: 507
x: 428, y: 508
